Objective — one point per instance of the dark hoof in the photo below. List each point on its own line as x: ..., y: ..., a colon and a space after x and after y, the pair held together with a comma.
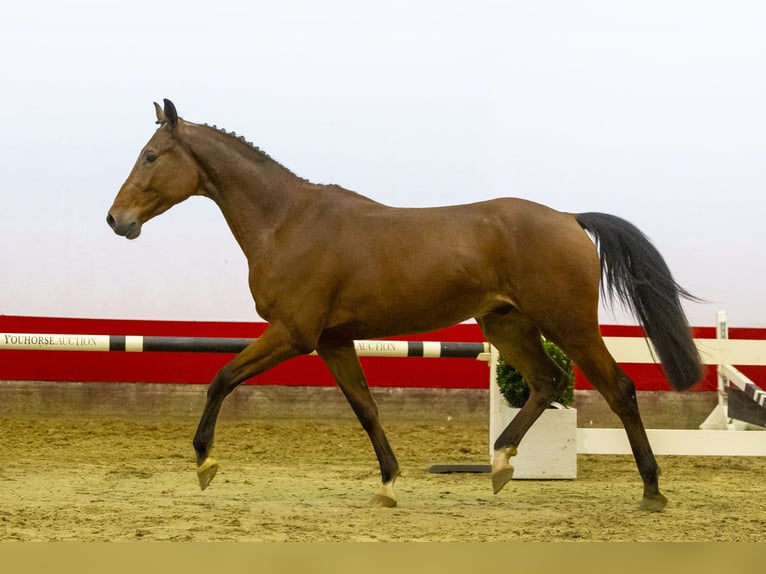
x: 653, y: 503
x: 383, y: 501
x: 501, y: 477
x: 206, y: 472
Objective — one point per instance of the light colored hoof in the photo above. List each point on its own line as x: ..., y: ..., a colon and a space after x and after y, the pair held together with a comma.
x: 385, y: 497
x: 206, y: 472
x: 501, y: 477
x: 654, y: 503
x: 383, y: 501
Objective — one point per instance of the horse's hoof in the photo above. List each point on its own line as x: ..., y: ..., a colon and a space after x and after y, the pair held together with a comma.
x: 383, y: 501
x: 206, y: 472
x: 653, y: 503
x: 501, y: 477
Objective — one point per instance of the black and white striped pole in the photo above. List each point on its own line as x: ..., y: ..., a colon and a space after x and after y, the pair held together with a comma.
x: 156, y: 344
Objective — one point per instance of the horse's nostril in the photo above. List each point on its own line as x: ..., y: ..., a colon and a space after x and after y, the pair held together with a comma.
x: 110, y: 220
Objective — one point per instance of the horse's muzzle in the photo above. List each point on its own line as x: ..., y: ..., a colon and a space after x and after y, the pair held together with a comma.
x: 129, y: 229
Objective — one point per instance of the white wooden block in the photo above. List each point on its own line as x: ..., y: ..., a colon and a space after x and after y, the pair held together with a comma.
x: 548, y: 450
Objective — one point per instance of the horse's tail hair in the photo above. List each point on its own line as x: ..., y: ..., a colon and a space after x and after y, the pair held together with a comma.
x: 634, y: 273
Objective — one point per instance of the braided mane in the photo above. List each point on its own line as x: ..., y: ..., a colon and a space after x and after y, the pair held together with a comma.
x: 262, y: 154
x: 242, y: 139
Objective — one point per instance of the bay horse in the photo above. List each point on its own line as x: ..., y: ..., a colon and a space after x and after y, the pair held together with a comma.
x: 328, y: 266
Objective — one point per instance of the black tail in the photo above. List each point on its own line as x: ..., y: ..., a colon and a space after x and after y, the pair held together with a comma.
x: 634, y: 272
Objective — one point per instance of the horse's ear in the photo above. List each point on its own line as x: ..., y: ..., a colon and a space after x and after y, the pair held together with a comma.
x: 171, y: 115
x: 160, y: 114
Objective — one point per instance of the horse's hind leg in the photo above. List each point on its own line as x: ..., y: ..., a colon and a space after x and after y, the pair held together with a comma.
x: 592, y: 357
x: 519, y: 342
x: 341, y: 359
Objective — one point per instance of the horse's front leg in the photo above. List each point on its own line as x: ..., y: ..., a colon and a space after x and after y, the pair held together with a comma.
x: 341, y: 359
x: 272, y: 348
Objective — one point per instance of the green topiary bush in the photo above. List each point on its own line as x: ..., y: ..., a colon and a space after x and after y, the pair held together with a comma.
x: 515, y: 390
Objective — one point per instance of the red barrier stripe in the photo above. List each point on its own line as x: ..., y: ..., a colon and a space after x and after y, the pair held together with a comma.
x: 161, y: 367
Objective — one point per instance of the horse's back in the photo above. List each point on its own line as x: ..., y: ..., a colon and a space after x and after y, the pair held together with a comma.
x: 378, y: 222
x: 432, y: 267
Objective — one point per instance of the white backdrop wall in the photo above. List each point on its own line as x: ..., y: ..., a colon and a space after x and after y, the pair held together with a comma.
x: 651, y: 110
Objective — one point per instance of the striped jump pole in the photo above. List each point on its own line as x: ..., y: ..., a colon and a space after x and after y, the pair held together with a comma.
x: 152, y: 344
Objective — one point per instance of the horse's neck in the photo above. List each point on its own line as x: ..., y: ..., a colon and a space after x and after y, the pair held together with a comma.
x: 254, y: 210
x: 252, y: 191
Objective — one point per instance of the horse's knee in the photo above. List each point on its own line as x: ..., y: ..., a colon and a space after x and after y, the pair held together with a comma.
x: 368, y: 414
x: 361, y: 401
x: 220, y: 386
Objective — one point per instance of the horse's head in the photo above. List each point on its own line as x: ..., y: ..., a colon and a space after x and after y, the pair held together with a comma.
x: 164, y: 174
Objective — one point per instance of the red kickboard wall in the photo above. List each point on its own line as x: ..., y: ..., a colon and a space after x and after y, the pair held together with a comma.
x: 84, y: 366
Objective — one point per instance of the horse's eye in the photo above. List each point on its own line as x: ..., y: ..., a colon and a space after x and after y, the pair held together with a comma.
x: 150, y: 157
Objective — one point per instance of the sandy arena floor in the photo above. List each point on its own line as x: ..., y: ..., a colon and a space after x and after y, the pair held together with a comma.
x: 120, y: 477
